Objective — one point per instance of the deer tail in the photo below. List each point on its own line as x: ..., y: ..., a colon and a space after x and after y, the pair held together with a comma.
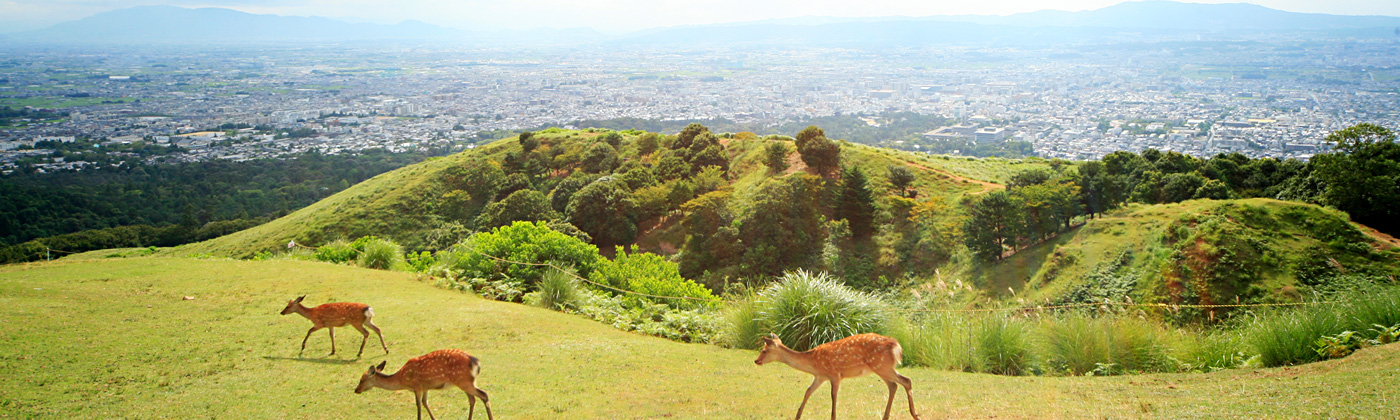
x: 898, y: 354
x: 476, y: 366
x: 369, y: 312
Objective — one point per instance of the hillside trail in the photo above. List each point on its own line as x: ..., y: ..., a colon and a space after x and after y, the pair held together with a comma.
x: 1383, y: 240
x: 986, y: 186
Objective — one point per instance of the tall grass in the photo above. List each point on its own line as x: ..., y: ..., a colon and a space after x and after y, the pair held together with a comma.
x: 807, y: 309
x: 943, y: 340
x: 558, y: 291
x: 1078, y: 344
x: 1003, y: 346
x: 381, y: 254
x: 1285, y: 336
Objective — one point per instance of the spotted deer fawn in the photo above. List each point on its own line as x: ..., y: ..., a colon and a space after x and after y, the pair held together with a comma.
x: 434, y: 370
x: 845, y: 358
x: 333, y: 315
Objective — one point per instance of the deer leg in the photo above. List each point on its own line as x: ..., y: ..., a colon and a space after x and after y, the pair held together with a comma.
x: 471, y: 405
x: 908, y: 391
x: 427, y: 407
x: 376, y: 332
x: 835, y: 386
x: 484, y: 403
x: 308, y: 335
x: 364, y: 336
x: 816, y: 382
x: 418, y: 402
x: 890, y: 402
x: 332, y: 331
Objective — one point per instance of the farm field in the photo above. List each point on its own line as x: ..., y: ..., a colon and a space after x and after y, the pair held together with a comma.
x: 117, y: 338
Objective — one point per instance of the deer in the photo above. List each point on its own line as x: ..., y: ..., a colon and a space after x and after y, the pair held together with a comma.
x: 845, y: 358
x: 331, y: 315
x: 435, y: 370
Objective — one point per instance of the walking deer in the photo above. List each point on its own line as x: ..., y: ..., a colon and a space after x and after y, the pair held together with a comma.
x: 845, y: 358
x: 333, y: 315
x: 434, y: 370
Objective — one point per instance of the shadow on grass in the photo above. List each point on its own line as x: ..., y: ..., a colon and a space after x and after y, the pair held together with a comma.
x: 323, y: 361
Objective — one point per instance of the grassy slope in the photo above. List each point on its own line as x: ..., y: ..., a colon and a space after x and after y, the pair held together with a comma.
x: 1142, y: 229
x: 113, y: 338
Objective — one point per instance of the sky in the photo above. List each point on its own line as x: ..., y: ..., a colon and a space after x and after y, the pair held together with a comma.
x: 613, y: 16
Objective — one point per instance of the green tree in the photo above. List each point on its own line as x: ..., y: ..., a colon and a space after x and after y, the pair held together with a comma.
x: 819, y: 153
x: 528, y: 142
x: 775, y: 156
x: 1362, y: 176
x: 856, y: 204
x: 900, y: 178
x: 687, y: 135
x: 647, y: 143
x: 612, y: 138
x: 995, y: 221
x: 563, y: 193
x: 712, y: 242
x: 523, y: 205
x: 599, y: 158
x: 606, y: 211
x: 782, y: 229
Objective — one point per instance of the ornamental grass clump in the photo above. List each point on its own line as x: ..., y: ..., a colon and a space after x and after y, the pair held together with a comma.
x: 807, y: 309
x: 380, y: 254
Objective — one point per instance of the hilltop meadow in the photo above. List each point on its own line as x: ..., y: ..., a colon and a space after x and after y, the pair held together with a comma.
x: 117, y: 338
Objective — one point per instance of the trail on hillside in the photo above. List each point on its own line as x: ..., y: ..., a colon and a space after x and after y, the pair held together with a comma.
x: 1383, y: 240
x: 986, y: 186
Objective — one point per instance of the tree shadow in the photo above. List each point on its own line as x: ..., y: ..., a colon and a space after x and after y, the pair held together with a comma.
x: 323, y: 361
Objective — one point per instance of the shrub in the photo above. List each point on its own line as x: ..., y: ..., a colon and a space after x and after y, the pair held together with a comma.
x: 1217, y: 351
x: 482, y: 255
x: 943, y: 340
x: 807, y: 309
x: 381, y: 254
x: 337, y: 251
x: 1287, y: 337
x: 1078, y: 345
x: 653, y: 275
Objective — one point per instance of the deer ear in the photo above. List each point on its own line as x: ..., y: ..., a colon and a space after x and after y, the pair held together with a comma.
x: 300, y: 298
x: 772, y: 336
x: 381, y: 365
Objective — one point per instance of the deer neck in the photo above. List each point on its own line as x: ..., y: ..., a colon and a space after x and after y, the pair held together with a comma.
x: 389, y: 382
x: 800, y: 360
x: 302, y: 310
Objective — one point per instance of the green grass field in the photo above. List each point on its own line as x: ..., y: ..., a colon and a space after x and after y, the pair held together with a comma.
x: 116, y: 338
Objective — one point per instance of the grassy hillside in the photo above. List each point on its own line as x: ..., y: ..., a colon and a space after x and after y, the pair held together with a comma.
x: 405, y: 204
x: 116, y: 338
x: 1200, y: 251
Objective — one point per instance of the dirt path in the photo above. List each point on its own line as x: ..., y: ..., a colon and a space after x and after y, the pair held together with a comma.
x: 986, y: 186
x: 1383, y: 240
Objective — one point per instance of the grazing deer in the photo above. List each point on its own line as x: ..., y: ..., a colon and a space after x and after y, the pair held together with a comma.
x: 434, y: 370
x: 845, y: 358
x: 333, y: 315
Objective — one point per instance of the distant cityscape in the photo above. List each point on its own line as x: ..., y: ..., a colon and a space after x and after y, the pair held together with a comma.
x: 1262, y: 99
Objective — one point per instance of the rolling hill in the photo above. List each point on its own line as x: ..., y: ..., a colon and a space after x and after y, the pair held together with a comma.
x: 118, y: 338
x: 405, y: 204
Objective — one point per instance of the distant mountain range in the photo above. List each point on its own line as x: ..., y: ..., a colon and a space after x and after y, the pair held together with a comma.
x: 1144, y: 20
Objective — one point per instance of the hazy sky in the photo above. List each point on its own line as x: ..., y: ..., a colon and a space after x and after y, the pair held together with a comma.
x: 613, y: 15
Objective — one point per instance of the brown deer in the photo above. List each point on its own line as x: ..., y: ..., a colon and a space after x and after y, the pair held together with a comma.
x: 333, y: 315
x: 434, y: 370
x: 845, y: 358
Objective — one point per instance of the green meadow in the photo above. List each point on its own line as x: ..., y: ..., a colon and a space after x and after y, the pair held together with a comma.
x: 163, y: 337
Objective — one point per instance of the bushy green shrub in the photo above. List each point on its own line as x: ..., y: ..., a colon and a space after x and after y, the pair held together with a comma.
x: 516, y: 253
x: 943, y: 340
x: 337, y: 251
x: 1288, y: 336
x: 653, y: 275
x: 1216, y: 351
x: 807, y: 309
x: 381, y: 254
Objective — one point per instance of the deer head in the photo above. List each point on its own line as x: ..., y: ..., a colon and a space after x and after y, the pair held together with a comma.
x: 368, y: 379
x: 770, y: 353
x: 292, y: 305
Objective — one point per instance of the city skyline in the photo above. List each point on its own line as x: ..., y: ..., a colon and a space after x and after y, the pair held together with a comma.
x: 611, y: 16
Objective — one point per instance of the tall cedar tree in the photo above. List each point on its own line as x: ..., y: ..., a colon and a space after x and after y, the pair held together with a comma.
x: 856, y: 204
x: 775, y: 157
x: 996, y: 221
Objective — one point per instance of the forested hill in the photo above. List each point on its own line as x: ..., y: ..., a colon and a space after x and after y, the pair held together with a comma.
x: 741, y: 208
x: 38, y: 205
